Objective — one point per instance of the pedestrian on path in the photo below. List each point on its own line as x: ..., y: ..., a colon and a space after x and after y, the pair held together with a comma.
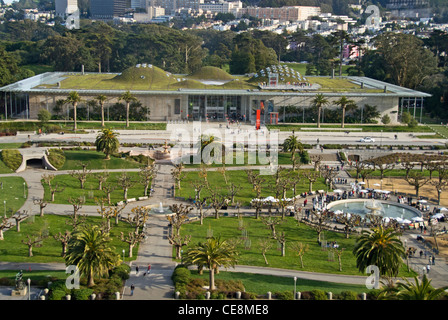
x: 136, y: 270
x: 428, y: 267
x: 132, y: 289
x: 149, y: 268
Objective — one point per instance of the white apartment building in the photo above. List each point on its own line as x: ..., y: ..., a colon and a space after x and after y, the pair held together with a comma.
x: 222, y: 6
x: 289, y: 13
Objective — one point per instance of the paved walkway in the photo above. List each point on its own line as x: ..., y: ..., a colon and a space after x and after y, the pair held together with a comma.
x: 157, y: 251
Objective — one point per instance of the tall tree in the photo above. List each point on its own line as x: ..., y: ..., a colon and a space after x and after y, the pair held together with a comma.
x: 101, y: 100
x: 74, y: 98
x: 107, y: 142
x: 380, y: 247
x: 128, y: 98
x: 319, y: 102
x: 212, y: 253
x: 90, y: 250
x: 343, y: 102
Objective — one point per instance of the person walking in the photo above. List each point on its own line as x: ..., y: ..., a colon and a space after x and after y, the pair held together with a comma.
x: 132, y: 289
x: 136, y: 270
x: 149, y: 269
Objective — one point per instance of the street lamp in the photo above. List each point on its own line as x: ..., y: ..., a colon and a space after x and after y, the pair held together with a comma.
x: 295, y: 283
x: 29, y: 288
x: 24, y: 190
x: 123, y: 255
x: 4, y: 203
x: 381, y: 142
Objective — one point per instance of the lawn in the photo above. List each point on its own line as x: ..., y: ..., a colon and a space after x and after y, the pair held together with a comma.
x: 90, y: 192
x: 239, y: 178
x: 441, y: 130
x: 261, y: 284
x: 12, y: 249
x: 283, y: 158
x: 95, y: 160
x: 315, y: 259
x: 12, y: 192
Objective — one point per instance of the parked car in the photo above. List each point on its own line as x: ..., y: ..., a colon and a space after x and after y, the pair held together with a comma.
x: 367, y: 139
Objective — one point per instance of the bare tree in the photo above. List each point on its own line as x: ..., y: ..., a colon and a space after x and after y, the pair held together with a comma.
x: 199, y: 204
x: 48, y: 179
x: 110, y: 212
x: 281, y: 238
x: 271, y: 223
x: 349, y: 221
x: 19, y: 217
x: 102, y: 178
x: 178, y: 173
x: 125, y: 182
x: 76, y: 221
x: 179, y: 217
x: 417, y: 180
x: 5, y: 224
x: 81, y: 175
x: 178, y: 242
x: 33, y: 241
x: 300, y: 249
x: 132, y: 239
x: 63, y: 238
x: 137, y: 217
x: 339, y: 253
x: 146, y: 175
x: 320, y: 222
x: 265, y: 246
x: 42, y: 204
x: 312, y: 177
x: 233, y: 189
x: 217, y: 200
x: 108, y: 189
x: 77, y: 204
x: 223, y: 171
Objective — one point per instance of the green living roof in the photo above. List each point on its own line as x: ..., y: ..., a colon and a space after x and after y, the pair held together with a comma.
x: 146, y: 78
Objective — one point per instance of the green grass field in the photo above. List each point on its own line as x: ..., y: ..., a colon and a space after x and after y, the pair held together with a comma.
x: 95, y: 160
x: 315, y: 260
x: 261, y: 284
x: 12, y: 192
x: 90, y: 191
x: 12, y: 249
x: 239, y: 178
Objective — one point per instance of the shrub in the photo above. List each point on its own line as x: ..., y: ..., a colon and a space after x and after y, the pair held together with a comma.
x: 284, y: 295
x: 318, y: 294
x: 82, y: 294
x: 181, y: 275
x: 57, y: 295
x: 413, y: 123
x: 122, y: 271
x: 347, y: 295
x: 385, y: 119
x: 305, y: 157
x: 248, y: 295
x: 12, y: 158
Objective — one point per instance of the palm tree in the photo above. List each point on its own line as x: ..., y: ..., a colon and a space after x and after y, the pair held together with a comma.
x: 343, y: 102
x: 380, y: 247
x: 128, y: 98
x: 212, y: 253
x: 74, y: 99
x: 319, y: 102
x: 292, y: 144
x: 101, y: 99
x: 107, y: 142
x: 90, y: 251
x: 412, y: 290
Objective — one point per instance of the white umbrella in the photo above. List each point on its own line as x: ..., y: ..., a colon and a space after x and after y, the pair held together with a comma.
x: 377, y: 190
x: 438, y: 215
x: 363, y: 190
x: 377, y: 185
x: 362, y: 182
x: 338, y: 212
x: 422, y: 201
x: 406, y: 221
x: 337, y: 190
x: 270, y: 198
x: 417, y: 219
x: 443, y: 209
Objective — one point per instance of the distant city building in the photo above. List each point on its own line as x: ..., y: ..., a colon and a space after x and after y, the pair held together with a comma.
x: 64, y: 8
x: 107, y: 9
x: 171, y: 6
x: 409, y: 8
x: 292, y: 13
x: 149, y: 15
x: 222, y: 6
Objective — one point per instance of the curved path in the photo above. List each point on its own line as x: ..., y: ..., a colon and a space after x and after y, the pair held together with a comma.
x: 157, y: 251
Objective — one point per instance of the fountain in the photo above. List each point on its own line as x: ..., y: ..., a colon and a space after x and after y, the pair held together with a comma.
x: 160, y: 209
x: 375, y: 207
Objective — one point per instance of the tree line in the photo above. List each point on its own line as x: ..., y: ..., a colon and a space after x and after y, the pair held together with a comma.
x: 399, y: 58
